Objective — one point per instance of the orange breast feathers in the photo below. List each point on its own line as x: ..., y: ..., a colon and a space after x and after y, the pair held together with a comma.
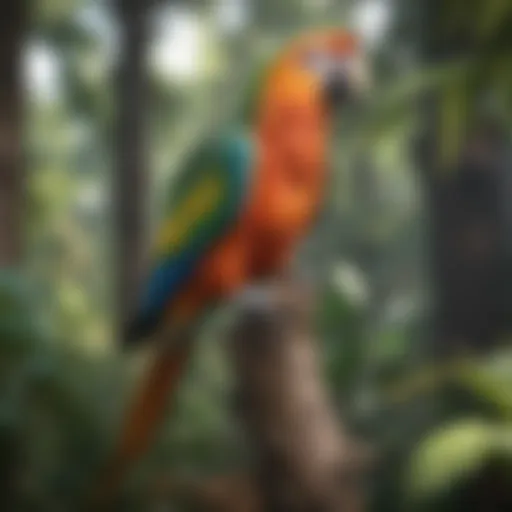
x: 291, y: 138
x: 284, y: 199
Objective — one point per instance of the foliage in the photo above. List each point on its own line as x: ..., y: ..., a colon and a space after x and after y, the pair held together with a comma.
x: 64, y: 383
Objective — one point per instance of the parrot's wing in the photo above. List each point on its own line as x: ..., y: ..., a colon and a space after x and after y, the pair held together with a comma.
x: 206, y: 201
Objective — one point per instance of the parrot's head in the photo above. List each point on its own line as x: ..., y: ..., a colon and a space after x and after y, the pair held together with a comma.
x: 308, y: 81
x: 323, y: 69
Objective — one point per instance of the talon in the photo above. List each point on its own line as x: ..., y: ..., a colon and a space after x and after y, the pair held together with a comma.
x: 257, y: 298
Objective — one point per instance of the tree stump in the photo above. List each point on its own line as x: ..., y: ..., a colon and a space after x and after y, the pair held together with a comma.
x: 304, y: 460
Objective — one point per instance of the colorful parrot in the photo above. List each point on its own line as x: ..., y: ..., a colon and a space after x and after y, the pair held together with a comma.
x: 237, y: 213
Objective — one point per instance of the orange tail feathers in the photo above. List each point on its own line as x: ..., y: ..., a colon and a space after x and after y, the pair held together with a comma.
x: 143, y: 419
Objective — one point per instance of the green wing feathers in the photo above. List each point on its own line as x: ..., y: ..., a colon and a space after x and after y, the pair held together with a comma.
x: 206, y: 202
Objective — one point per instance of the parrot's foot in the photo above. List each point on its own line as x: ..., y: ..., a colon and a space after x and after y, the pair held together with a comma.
x: 271, y: 306
x: 260, y: 297
x: 300, y: 281
x: 266, y: 299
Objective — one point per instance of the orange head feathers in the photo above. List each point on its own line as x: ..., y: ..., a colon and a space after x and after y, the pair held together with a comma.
x: 317, y: 70
x: 315, y: 73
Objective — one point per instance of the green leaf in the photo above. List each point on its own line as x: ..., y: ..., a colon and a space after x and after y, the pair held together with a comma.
x: 495, y: 12
x: 491, y: 380
x: 453, y: 118
x: 396, y: 104
x: 425, y: 380
x: 451, y: 454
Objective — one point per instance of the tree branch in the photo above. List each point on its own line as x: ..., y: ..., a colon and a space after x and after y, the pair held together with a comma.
x: 305, y: 460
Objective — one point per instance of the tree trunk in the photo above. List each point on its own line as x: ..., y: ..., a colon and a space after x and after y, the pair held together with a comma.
x: 304, y: 459
x: 469, y: 247
x: 465, y: 205
x: 130, y: 181
x: 11, y: 166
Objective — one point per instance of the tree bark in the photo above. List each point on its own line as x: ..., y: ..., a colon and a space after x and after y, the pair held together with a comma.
x: 130, y: 176
x: 11, y: 165
x: 470, y: 263
x: 304, y: 458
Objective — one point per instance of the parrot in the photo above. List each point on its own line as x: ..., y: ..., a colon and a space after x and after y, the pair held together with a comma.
x: 236, y: 214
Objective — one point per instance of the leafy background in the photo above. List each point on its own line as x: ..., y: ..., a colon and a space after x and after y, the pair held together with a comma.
x: 441, y: 426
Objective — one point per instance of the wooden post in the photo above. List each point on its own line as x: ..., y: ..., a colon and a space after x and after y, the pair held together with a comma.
x: 12, y: 29
x: 130, y: 171
x: 304, y: 459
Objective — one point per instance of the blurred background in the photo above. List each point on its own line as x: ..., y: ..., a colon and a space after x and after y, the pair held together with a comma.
x: 102, y: 101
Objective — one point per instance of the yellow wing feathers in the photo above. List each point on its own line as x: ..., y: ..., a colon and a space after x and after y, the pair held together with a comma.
x: 198, y: 202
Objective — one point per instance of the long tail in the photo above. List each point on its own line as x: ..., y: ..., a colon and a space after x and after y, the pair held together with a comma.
x: 143, y: 419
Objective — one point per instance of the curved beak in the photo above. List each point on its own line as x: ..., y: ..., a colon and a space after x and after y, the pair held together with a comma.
x: 337, y: 90
x: 346, y: 84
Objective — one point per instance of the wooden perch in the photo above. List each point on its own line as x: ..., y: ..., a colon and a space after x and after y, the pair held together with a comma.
x: 305, y: 462
x: 303, y: 459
